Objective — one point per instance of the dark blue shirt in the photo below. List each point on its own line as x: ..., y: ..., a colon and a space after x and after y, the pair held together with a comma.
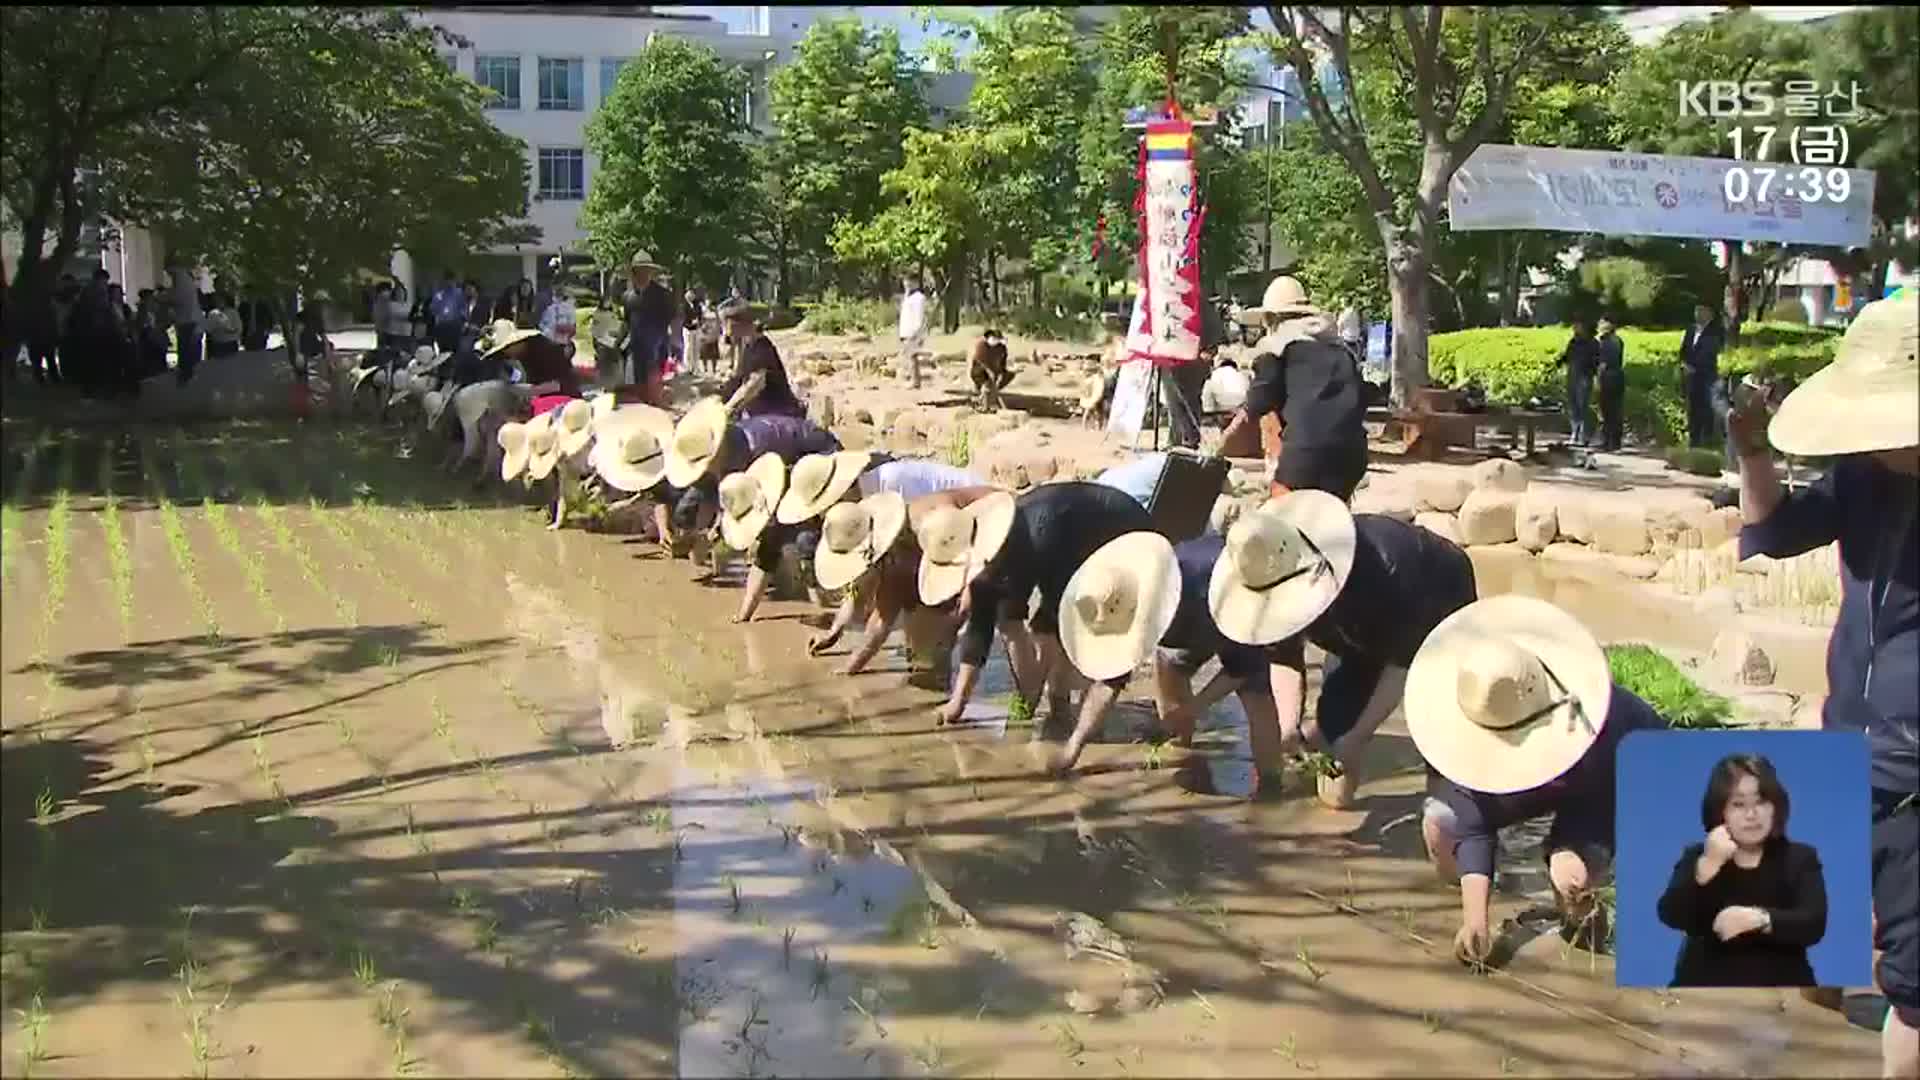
x: 1193, y: 628
x: 1585, y: 792
x: 1873, y: 658
x: 1405, y: 581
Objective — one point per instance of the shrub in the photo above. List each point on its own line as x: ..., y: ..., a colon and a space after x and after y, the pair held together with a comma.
x: 1042, y: 323
x: 1787, y: 310
x: 1515, y: 363
x: 1648, y: 674
x: 1623, y: 284
x: 835, y: 313
x: 1700, y: 461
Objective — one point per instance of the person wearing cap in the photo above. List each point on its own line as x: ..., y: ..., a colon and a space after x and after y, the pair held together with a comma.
x: 649, y: 314
x: 1365, y: 588
x: 870, y: 549
x: 758, y: 356
x: 1141, y: 596
x: 629, y: 455
x: 994, y: 554
x: 989, y: 369
x: 1613, y: 387
x: 1304, y: 377
x: 1863, y: 411
x: 1510, y: 703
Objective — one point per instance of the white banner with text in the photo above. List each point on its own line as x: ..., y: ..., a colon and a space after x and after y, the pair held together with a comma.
x: 1624, y: 194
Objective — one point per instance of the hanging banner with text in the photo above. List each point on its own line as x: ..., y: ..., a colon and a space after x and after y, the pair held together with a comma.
x: 1623, y: 194
x: 1170, y: 244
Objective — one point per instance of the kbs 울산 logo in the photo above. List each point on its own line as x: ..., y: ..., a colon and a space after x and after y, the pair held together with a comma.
x: 1666, y: 195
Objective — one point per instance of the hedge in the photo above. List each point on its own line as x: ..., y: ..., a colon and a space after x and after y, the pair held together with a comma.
x: 1515, y: 363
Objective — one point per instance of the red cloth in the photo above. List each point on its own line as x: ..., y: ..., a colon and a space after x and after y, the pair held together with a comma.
x: 549, y: 402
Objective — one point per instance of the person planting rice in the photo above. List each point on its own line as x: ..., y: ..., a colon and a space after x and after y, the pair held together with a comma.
x: 1510, y: 702
x: 759, y: 360
x: 1139, y: 596
x: 708, y: 446
x: 870, y: 549
x: 988, y: 367
x: 1365, y: 588
x: 993, y: 554
x: 573, y: 435
x: 629, y: 455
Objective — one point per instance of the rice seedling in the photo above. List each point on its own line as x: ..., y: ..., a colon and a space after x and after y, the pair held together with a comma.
x: 1434, y: 1021
x: 1509, y: 1066
x: 487, y: 937
x: 294, y: 547
x: 149, y: 757
x: 1068, y: 1040
x: 786, y: 948
x: 228, y: 538
x: 201, y: 1044
x: 34, y: 1021
x: 9, y: 540
x: 872, y: 994
x: 1649, y: 674
x: 119, y: 562
x: 732, y: 886
x: 179, y: 546
x: 931, y: 1055
x: 1289, y: 1049
x: 44, y: 806
x: 365, y: 972
x: 1305, y: 957
x: 57, y: 552
x: 264, y: 765
x: 1206, y: 1007
x: 821, y: 981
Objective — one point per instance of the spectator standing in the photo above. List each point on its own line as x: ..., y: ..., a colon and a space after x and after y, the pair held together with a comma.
x: 1613, y: 387
x: 1863, y: 411
x: 393, y: 320
x: 913, y: 330
x: 188, y: 322
x: 475, y: 310
x: 1353, y: 332
x: 1700, y: 367
x: 42, y: 331
x: 1581, y: 358
x: 448, y: 312
x: 649, y: 317
x: 150, y: 322
x: 223, y: 327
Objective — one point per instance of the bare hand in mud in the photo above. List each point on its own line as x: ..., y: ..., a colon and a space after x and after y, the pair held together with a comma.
x: 1472, y: 945
x: 949, y: 713
x: 845, y: 669
x: 819, y: 643
x: 1061, y: 761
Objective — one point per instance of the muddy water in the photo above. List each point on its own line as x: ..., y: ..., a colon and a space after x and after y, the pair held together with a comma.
x: 528, y: 804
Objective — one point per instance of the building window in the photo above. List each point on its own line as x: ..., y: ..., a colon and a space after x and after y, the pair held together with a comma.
x: 563, y: 85
x: 610, y: 73
x: 500, y: 74
x: 563, y: 174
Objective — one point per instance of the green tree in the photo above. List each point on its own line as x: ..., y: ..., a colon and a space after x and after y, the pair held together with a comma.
x: 933, y: 218
x: 1878, y: 50
x: 842, y: 108
x: 1456, y: 71
x: 1320, y: 215
x: 315, y: 158
x: 674, y: 169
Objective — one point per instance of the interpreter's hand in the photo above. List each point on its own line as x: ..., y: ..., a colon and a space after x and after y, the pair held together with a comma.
x: 1747, y: 423
x: 819, y: 643
x: 1720, y: 845
x: 1472, y: 944
x: 1735, y: 921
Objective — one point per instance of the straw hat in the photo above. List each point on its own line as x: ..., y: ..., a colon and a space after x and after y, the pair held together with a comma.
x: 958, y: 543
x: 1506, y: 694
x: 1284, y: 296
x: 856, y: 535
x: 502, y: 334
x: 513, y: 440
x: 603, y: 405
x: 643, y: 260
x: 1119, y: 604
x: 575, y: 425
x: 543, y: 446
x: 630, y: 447
x: 696, y: 441
x: 819, y: 481
x: 425, y: 359
x: 747, y: 500
x: 434, y: 404
x: 1283, y: 566
x: 1869, y: 397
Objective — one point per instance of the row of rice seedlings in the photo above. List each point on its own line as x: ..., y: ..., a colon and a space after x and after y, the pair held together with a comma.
x: 177, y: 543
x: 58, y: 549
x: 195, y: 480
x: 119, y: 561
x: 10, y: 510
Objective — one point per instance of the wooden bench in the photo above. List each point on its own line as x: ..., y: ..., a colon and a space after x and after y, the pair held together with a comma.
x: 1430, y: 432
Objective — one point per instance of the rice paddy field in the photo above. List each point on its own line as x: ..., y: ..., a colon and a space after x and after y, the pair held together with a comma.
x: 316, y: 763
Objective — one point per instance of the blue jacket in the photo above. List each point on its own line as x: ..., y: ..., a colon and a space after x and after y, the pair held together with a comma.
x: 1873, y: 658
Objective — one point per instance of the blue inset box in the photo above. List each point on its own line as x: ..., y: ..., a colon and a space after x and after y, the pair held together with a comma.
x: 1746, y: 909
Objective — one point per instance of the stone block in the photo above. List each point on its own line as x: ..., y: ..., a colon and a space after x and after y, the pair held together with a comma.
x: 1677, y: 527
x: 1487, y: 517
x: 1740, y: 660
x: 1536, y: 522
x: 1500, y: 474
x: 1719, y: 526
x: 1807, y: 712
x: 1762, y: 709
x: 1441, y: 525
x: 1575, y: 517
x: 1441, y: 489
x: 1620, y: 529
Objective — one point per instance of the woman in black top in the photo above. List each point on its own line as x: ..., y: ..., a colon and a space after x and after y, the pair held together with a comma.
x: 757, y: 355
x: 1750, y: 901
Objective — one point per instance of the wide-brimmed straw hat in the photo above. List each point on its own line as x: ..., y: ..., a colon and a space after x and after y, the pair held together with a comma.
x: 575, y: 424
x: 1119, y: 604
x: 696, y: 441
x: 425, y: 359
x: 434, y: 404
x: 856, y: 535
x: 747, y: 500
x: 543, y: 446
x: 630, y: 447
x: 819, y: 481
x: 513, y: 440
x: 1507, y: 694
x: 1869, y: 397
x: 643, y: 259
x: 1284, y: 296
x: 603, y: 405
x: 957, y: 543
x: 503, y: 334
x: 1282, y: 567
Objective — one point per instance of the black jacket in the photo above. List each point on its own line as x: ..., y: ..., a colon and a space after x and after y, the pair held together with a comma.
x: 1315, y: 387
x: 1788, y: 885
